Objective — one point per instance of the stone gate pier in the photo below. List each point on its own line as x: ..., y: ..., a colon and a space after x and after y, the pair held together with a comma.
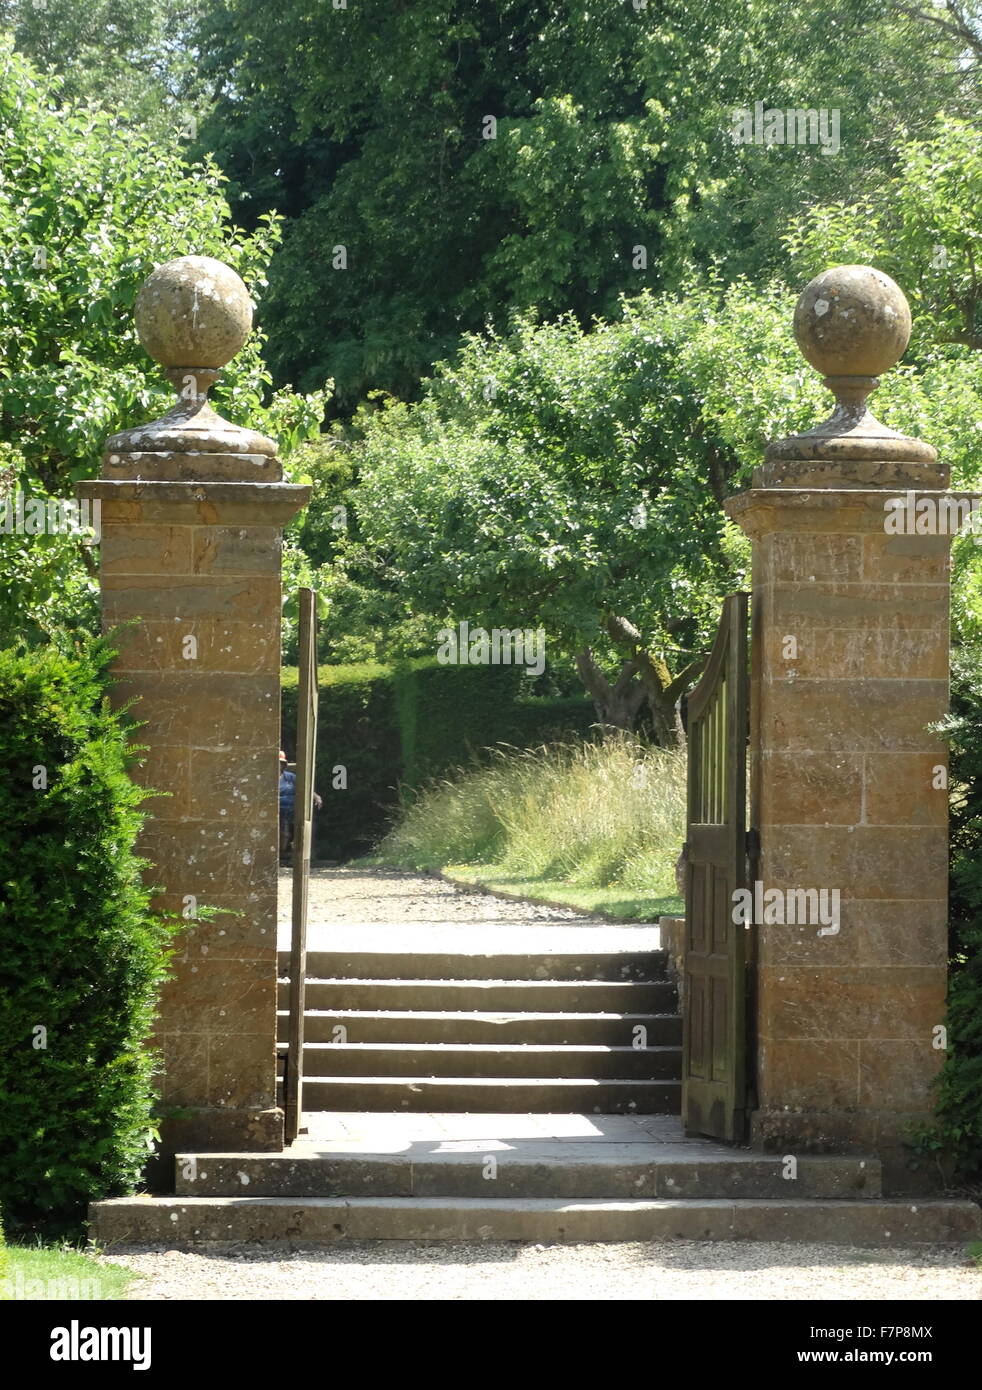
x: 193, y: 510
x: 848, y: 783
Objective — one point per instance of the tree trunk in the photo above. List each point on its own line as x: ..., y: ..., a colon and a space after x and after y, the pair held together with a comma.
x: 662, y: 690
x: 617, y: 705
x: 665, y: 719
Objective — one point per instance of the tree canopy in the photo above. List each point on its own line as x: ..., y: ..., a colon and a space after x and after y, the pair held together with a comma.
x: 546, y: 200
x: 88, y: 207
x: 611, y: 169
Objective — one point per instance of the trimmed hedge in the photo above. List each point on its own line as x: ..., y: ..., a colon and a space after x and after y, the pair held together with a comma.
x: 392, y: 728
x: 81, y: 953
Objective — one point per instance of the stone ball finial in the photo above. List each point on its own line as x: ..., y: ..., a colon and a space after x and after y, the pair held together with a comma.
x: 194, y: 312
x: 192, y: 315
x: 852, y: 320
x: 852, y: 323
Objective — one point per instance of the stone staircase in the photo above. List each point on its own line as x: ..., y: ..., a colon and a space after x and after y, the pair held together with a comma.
x: 513, y: 1097
x: 503, y: 1177
x: 594, y: 1031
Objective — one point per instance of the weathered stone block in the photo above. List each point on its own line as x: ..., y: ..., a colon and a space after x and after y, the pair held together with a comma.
x: 237, y: 550
x: 903, y: 789
x: 185, y: 1060
x: 900, y: 933
x: 210, y: 858
x: 191, y: 596
x: 244, y: 927
x: 810, y: 1072
x: 850, y: 654
x: 211, y: 995
x: 899, y: 1075
x: 824, y: 557
x: 241, y: 1070
x: 145, y: 549
x: 844, y: 716
x: 202, y: 709
x: 168, y: 503
x: 906, y: 559
x: 219, y: 646
x: 803, y: 788
x: 225, y: 1130
x: 164, y: 768
x: 801, y: 945
x: 871, y: 932
x: 239, y: 783
x: 864, y: 861
x: 860, y: 606
x: 865, y: 1003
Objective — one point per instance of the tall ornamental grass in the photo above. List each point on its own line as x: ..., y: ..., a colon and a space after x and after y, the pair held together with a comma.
x: 608, y: 815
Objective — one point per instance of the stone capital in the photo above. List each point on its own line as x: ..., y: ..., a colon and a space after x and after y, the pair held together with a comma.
x: 766, y: 511
x: 195, y: 503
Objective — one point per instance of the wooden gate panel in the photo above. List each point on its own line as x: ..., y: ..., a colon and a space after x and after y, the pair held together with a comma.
x: 714, y: 1031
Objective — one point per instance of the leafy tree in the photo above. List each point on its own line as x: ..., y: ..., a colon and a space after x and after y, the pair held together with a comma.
x: 612, y: 168
x: 87, y: 209
x: 131, y: 56
x: 557, y: 478
x: 575, y: 479
x: 958, y: 21
x: 923, y: 227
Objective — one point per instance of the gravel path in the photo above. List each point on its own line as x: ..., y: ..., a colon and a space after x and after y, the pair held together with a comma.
x: 404, y: 1270
x: 385, y: 909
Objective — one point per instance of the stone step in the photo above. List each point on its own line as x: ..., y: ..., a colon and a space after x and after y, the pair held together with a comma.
x: 496, y: 965
x: 417, y: 1026
x: 488, y: 1061
x: 483, y: 996
x: 580, y: 1171
x: 495, y: 1095
x: 322, y: 1220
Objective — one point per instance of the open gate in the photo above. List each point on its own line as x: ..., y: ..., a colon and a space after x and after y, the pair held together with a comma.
x: 303, y: 811
x: 714, y: 1061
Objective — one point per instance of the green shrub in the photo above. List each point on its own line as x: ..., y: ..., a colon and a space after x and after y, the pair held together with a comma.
x: 81, y: 954
x: 956, y: 1134
x: 394, y: 728
x: 595, y: 815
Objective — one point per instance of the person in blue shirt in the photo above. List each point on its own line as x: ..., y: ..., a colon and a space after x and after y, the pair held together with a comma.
x: 288, y: 798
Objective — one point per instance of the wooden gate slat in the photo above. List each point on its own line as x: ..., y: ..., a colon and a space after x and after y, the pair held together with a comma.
x: 303, y: 810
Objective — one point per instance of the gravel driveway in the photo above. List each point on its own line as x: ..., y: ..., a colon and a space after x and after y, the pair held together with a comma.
x: 403, y: 1270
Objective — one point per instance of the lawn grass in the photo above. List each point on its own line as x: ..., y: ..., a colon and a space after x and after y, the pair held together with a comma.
x: 56, y: 1272
x: 619, y: 904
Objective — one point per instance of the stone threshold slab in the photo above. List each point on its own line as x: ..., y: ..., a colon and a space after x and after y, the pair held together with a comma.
x: 319, y: 1221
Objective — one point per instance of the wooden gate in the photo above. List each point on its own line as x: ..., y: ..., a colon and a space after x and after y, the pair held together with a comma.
x: 714, y: 1069
x: 303, y: 811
